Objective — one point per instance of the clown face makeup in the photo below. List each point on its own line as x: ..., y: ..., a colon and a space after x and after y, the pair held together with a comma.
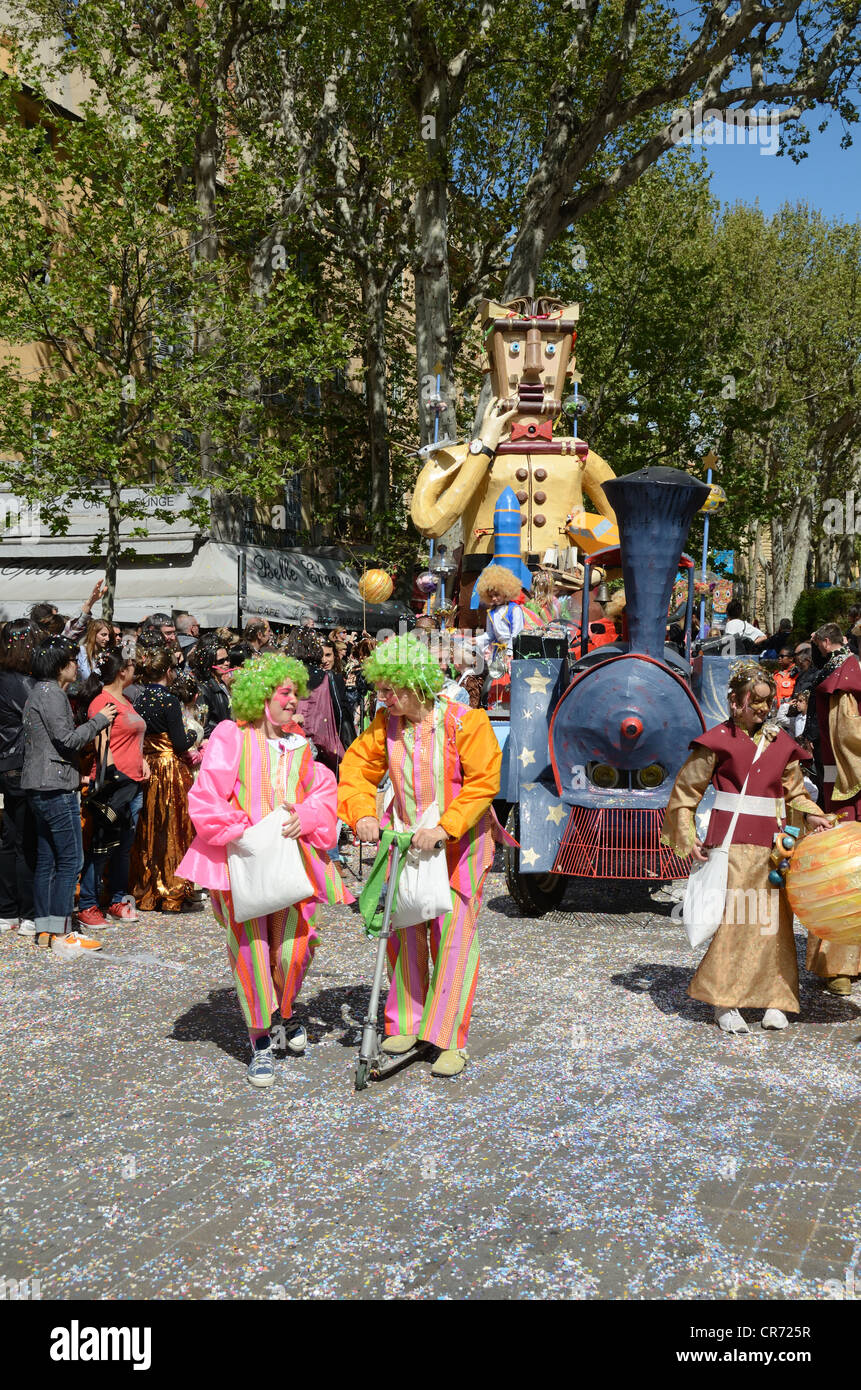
x: 282, y: 705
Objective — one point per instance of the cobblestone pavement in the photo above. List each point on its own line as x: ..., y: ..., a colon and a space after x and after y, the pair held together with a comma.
x: 606, y: 1139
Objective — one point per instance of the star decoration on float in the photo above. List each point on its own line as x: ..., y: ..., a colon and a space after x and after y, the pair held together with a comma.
x: 538, y: 684
x: 529, y: 857
x: 556, y: 813
x: 526, y: 757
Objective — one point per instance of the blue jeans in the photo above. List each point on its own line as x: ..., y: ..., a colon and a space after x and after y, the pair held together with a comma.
x: 59, y: 856
x: 117, y: 864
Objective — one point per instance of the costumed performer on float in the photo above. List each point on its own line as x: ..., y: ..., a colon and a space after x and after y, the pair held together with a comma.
x: 436, y: 752
x: 837, y: 693
x: 249, y: 768
x: 501, y: 593
x: 751, y: 962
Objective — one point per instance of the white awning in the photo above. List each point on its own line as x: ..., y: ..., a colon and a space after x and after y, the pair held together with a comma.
x: 24, y: 527
x: 282, y: 585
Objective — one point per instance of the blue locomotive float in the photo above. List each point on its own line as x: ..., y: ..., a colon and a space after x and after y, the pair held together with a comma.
x: 594, y: 744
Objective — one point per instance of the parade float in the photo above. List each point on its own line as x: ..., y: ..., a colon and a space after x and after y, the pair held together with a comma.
x: 594, y: 735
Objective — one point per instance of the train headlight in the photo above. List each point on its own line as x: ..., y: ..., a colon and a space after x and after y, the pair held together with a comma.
x: 650, y: 777
x: 603, y: 775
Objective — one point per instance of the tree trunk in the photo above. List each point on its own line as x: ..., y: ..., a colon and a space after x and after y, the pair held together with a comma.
x: 204, y: 250
x: 753, y: 590
x: 790, y: 546
x: 432, y: 284
x: 376, y: 362
x: 112, y: 556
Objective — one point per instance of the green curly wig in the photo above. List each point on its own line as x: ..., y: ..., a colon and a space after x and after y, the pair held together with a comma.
x: 406, y: 664
x: 256, y: 680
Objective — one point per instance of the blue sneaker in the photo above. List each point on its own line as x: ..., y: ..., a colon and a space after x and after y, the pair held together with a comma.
x: 295, y: 1037
x: 261, y: 1068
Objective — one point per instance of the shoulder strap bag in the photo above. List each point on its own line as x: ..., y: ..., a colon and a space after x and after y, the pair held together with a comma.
x: 705, y: 895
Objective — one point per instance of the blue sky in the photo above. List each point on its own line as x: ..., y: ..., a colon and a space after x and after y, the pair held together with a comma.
x: 829, y: 178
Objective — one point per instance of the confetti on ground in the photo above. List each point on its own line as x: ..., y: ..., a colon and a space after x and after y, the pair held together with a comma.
x: 606, y: 1140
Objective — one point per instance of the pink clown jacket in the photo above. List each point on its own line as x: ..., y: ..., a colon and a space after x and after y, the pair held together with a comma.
x: 235, y: 788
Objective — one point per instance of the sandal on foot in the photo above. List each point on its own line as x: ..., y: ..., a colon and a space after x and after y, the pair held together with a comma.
x: 450, y: 1062
x: 839, y: 984
x: 398, y: 1043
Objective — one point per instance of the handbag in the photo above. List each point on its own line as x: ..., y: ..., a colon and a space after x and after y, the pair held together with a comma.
x: 266, y: 870
x: 108, y: 803
x: 424, y: 890
x: 705, y: 894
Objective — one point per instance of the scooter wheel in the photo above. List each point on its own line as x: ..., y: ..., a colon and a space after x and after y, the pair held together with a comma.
x: 361, y: 1075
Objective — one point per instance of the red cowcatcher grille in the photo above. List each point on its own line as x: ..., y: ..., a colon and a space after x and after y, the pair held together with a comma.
x: 616, y: 844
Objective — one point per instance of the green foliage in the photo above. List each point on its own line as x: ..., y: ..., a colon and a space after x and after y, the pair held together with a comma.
x: 818, y: 606
x: 644, y: 270
x: 143, y: 348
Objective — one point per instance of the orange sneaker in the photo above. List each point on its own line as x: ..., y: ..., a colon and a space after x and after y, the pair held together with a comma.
x: 73, y: 942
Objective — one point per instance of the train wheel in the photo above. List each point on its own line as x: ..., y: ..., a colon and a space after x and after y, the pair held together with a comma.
x: 534, y: 894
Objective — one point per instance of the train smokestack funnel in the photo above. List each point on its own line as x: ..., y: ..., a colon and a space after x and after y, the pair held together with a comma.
x: 654, y: 509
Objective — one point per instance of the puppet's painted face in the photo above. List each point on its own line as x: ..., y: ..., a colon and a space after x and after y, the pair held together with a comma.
x: 529, y: 344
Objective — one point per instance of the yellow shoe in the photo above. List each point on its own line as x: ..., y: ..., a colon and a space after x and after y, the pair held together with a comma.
x: 450, y: 1062
x: 839, y: 984
x: 398, y: 1043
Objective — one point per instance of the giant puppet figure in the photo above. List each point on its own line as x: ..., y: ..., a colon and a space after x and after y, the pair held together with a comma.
x: 529, y: 344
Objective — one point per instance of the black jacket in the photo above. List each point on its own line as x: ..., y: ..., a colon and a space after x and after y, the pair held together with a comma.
x: 216, y: 697
x: 14, y: 690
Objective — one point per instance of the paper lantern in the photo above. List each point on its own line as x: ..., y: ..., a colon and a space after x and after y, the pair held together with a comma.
x: 376, y: 586
x: 823, y: 883
x: 715, y: 499
x: 427, y: 583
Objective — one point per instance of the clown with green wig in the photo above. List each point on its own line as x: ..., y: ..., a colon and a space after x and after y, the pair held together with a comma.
x: 249, y: 769
x: 437, y: 755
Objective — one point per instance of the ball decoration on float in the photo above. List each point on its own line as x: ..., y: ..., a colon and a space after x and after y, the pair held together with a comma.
x: 375, y: 586
x: 823, y: 883
x: 427, y: 583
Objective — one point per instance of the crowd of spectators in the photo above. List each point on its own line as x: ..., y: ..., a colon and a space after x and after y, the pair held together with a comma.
x: 102, y: 726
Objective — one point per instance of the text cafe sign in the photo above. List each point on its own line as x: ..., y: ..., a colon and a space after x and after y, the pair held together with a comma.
x: 147, y: 499
x: 283, y: 569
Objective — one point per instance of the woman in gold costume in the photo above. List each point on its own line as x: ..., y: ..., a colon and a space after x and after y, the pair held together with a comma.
x: 165, y: 830
x: 756, y: 770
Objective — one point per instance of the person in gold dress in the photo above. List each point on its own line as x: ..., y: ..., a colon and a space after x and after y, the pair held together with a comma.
x: 164, y: 830
x: 837, y: 695
x: 751, y: 961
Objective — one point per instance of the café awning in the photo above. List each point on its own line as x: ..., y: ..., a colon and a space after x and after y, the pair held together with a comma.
x: 282, y: 585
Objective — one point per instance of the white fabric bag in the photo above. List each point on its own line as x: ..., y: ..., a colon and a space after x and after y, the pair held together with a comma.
x: 424, y: 891
x: 705, y: 895
x: 266, y: 870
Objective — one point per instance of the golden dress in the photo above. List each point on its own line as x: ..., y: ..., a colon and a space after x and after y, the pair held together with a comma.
x: 749, y: 963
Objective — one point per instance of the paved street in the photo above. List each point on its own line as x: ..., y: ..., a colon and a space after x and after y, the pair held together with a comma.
x: 605, y: 1141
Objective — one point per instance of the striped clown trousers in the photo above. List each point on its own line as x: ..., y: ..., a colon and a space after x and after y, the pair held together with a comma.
x: 435, y: 1007
x: 269, y: 957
